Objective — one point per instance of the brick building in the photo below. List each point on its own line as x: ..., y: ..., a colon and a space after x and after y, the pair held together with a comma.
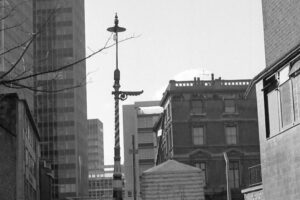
x: 204, y: 119
x: 19, y: 150
x: 278, y: 100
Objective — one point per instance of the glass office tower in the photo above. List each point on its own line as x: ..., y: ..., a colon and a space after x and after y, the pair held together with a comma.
x: 62, y: 116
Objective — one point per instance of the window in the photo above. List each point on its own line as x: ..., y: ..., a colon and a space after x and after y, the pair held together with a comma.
x: 67, y: 188
x: 145, y: 122
x: 234, y: 175
x: 229, y: 106
x: 198, y: 135
x: 231, y: 134
x: 129, y: 194
x: 202, y: 166
x: 282, y: 99
x: 197, y: 107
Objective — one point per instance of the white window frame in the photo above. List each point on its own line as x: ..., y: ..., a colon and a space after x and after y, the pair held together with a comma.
x: 197, y: 138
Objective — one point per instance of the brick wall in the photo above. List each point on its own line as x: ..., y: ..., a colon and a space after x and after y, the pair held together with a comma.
x: 7, y: 166
x: 281, y: 28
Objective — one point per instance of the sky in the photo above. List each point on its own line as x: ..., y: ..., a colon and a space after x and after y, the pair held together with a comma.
x: 173, y: 40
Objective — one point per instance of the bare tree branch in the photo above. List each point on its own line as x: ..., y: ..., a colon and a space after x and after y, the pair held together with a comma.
x: 20, y: 75
x: 9, y: 13
x: 19, y: 59
x: 35, y: 89
x: 65, y: 66
x: 11, y: 27
x: 34, y: 35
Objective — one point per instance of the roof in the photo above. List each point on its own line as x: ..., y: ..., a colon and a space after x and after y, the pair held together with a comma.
x: 211, y: 86
x: 273, y: 68
x: 171, y: 166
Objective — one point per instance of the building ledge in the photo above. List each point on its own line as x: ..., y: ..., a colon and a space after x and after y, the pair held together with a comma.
x: 230, y: 114
x: 252, y: 189
x: 197, y: 114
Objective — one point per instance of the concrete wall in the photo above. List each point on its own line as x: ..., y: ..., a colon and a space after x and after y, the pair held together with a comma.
x: 254, y: 193
x: 129, y: 129
x: 280, y: 158
x: 144, y: 136
x: 281, y: 28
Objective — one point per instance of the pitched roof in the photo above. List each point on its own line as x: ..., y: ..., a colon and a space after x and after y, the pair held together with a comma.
x: 171, y: 166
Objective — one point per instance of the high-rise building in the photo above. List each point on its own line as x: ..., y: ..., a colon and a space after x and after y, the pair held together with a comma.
x: 16, y: 30
x: 278, y: 101
x: 202, y: 120
x: 95, y: 144
x: 62, y: 116
x: 139, y: 141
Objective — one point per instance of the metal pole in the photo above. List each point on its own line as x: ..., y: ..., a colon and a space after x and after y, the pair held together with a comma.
x: 118, y: 95
x: 117, y: 176
x: 133, y: 164
x: 227, y: 176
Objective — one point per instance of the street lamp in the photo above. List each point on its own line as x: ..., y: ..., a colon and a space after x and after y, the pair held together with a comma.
x: 118, y: 95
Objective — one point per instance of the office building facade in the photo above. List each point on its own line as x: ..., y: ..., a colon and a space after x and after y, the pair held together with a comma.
x: 202, y: 120
x: 95, y: 144
x: 62, y: 116
x: 138, y: 122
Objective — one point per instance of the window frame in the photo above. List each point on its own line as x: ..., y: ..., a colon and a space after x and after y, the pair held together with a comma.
x: 235, y: 105
x: 197, y: 110
x: 203, y: 135
x: 229, y: 125
x: 236, y: 181
x: 272, y: 84
x: 198, y: 165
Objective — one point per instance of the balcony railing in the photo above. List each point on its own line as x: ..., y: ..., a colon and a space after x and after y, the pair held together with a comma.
x: 201, y: 83
x: 255, y: 175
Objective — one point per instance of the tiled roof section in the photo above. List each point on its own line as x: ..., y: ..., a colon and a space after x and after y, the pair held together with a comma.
x: 171, y: 166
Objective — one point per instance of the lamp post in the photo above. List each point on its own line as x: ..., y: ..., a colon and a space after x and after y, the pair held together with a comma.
x: 118, y: 95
